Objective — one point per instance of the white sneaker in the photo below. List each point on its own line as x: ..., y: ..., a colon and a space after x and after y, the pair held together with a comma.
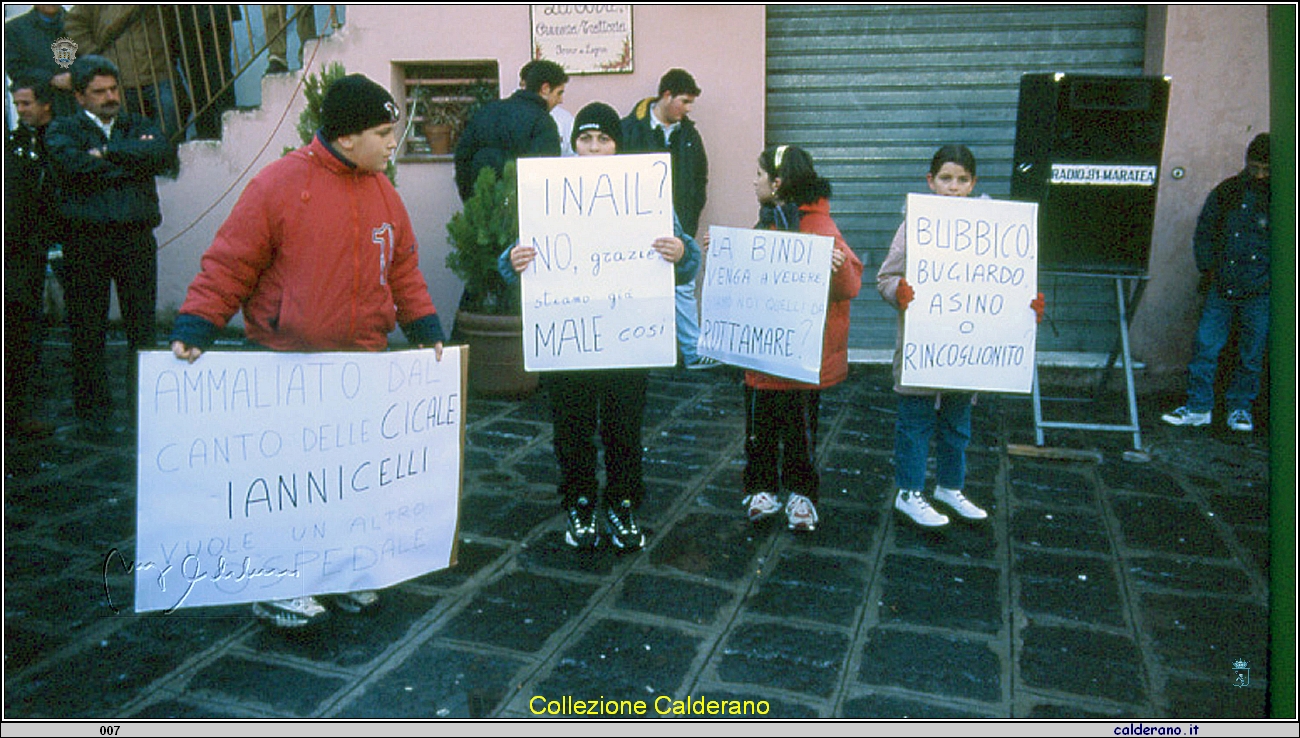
x: 914, y: 505
x: 1240, y: 420
x: 801, y: 513
x: 762, y: 505
x: 294, y: 613
x: 1186, y: 416
x: 957, y: 501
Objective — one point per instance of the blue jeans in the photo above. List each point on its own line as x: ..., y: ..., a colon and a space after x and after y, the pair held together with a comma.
x: 919, y: 422
x: 688, y: 323
x: 1250, y: 317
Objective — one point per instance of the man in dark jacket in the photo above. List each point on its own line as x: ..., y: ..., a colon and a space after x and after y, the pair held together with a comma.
x: 661, y: 124
x: 29, y: 39
x: 105, y: 159
x: 520, y: 125
x: 1232, y: 244
x: 31, y: 227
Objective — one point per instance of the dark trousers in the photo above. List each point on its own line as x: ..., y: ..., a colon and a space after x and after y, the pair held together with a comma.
x: 781, y: 442
x: 94, y: 258
x: 23, y: 322
x: 610, y: 402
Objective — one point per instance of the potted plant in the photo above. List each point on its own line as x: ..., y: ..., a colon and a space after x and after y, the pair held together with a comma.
x: 488, y: 319
x: 440, y: 123
x: 314, y: 86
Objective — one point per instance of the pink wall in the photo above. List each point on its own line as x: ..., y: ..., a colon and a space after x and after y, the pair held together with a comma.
x: 723, y: 46
x: 729, y: 111
x: 1217, y: 59
x: 1216, y: 55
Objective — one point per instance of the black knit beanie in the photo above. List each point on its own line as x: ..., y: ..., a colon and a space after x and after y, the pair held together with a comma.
x: 354, y: 103
x: 1259, y: 149
x: 597, y: 116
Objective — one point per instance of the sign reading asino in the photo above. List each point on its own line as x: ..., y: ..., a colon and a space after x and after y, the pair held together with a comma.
x: 1103, y: 174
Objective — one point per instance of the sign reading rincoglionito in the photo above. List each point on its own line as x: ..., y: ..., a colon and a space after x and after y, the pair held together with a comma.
x: 268, y: 475
x: 973, y: 265
x: 598, y: 296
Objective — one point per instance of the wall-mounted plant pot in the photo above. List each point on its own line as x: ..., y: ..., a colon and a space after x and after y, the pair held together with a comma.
x: 439, y: 138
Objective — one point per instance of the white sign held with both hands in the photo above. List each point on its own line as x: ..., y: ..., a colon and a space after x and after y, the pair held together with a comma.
x: 268, y: 475
x: 973, y: 266
x: 597, y: 296
x: 763, y: 300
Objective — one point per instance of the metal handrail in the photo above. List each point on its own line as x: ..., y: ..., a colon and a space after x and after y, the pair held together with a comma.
x: 203, y: 82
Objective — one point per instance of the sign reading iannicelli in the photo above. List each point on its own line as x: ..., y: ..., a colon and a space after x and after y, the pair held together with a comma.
x: 266, y: 475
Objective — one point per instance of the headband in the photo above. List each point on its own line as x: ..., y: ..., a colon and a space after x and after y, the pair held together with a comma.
x: 776, y: 158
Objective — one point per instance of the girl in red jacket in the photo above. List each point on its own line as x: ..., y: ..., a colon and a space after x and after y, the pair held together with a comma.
x: 781, y: 414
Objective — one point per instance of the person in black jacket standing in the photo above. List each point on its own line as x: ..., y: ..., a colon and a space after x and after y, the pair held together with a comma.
x: 28, y: 47
x: 1232, y: 246
x: 520, y: 125
x: 105, y: 159
x: 31, y: 217
x: 661, y: 124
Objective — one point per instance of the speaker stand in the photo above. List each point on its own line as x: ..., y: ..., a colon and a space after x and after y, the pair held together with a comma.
x: 1124, y: 285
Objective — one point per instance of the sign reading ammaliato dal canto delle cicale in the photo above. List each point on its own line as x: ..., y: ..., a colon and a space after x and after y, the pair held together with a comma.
x: 584, y: 39
x: 271, y: 475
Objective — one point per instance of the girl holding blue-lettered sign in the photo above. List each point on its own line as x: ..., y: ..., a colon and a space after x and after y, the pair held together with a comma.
x: 781, y: 414
x: 926, y: 415
x: 610, y: 402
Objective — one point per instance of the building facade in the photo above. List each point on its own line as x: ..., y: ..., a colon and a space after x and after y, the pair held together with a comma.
x: 869, y: 90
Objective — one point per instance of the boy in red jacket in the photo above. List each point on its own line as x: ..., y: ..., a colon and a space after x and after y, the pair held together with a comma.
x: 319, y: 255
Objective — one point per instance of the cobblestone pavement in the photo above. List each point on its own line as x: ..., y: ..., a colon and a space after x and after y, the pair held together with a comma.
x: 1106, y: 589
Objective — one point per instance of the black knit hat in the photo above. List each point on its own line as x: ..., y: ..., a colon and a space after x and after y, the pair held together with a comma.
x: 1259, y: 149
x: 354, y: 103
x: 597, y: 116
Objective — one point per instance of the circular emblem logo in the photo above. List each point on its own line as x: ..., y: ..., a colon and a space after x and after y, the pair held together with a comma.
x: 65, y: 52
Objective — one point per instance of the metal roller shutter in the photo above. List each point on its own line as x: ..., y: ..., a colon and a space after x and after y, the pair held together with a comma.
x: 872, y: 90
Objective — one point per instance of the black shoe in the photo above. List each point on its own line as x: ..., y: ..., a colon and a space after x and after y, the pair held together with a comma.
x: 277, y: 67
x: 621, y: 527
x: 581, y: 530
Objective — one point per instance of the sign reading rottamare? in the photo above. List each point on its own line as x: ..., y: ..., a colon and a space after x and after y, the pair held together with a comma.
x: 763, y: 300
x: 973, y: 265
x: 598, y: 296
x: 266, y: 475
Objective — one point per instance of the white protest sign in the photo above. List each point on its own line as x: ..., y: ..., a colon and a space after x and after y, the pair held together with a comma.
x: 763, y: 301
x: 973, y: 264
x: 598, y: 296
x: 266, y: 475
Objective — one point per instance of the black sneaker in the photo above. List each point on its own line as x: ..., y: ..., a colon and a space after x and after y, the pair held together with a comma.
x: 621, y: 527
x: 581, y: 530
x: 295, y: 613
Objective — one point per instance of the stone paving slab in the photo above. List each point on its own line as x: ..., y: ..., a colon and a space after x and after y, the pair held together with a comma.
x: 1110, y: 590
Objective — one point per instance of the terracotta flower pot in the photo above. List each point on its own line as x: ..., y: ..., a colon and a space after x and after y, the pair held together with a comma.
x: 439, y: 137
x: 496, y: 354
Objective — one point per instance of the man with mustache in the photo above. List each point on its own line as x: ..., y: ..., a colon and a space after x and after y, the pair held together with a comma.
x: 104, y: 159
